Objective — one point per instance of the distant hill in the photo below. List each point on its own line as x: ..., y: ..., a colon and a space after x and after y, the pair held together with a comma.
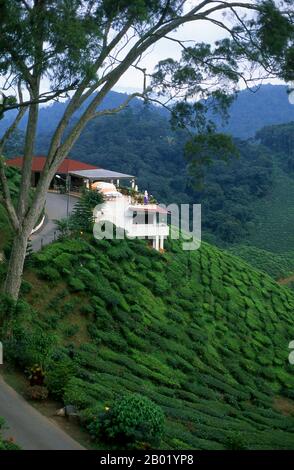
x: 50, y: 115
x: 275, y: 212
x: 237, y: 198
x: 141, y: 142
x: 251, y: 111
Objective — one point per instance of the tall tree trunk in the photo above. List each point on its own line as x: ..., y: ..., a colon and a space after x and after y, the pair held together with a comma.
x: 20, y: 240
x: 26, y: 217
x: 16, y: 262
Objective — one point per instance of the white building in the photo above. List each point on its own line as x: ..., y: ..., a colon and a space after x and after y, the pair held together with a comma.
x: 147, y: 221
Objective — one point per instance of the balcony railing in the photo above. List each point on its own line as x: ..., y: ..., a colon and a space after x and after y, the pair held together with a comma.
x: 151, y: 230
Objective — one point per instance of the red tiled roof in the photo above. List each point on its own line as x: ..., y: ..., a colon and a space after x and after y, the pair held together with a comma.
x: 39, y: 161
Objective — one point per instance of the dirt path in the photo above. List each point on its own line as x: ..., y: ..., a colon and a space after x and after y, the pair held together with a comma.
x: 286, y: 280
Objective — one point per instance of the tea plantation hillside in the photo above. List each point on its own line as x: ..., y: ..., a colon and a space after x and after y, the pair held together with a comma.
x: 202, y: 334
x: 277, y: 265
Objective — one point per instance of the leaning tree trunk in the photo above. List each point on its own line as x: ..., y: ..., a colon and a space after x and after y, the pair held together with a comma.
x: 16, y: 262
x: 21, y: 237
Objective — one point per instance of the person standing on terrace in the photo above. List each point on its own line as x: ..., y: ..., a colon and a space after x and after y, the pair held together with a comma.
x: 146, y: 197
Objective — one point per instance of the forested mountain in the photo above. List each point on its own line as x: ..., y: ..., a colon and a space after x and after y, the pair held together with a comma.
x: 280, y: 139
x: 275, y: 212
x: 252, y: 110
x: 140, y: 141
x: 50, y: 115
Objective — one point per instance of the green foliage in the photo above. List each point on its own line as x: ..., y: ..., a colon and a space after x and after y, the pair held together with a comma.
x: 27, y: 346
x: 63, y: 262
x: 49, y: 273
x: 274, y: 213
x: 131, y: 420
x: 201, y: 334
x: 276, y: 34
x: 82, y: 216
x: 76, y: 284
x: 229, y: 187
x: 6, y: 444
x: 13, y: 177
x: 236, y: 441
x: 205, y: 148
x: 57, y: 375
x: 277, y: 265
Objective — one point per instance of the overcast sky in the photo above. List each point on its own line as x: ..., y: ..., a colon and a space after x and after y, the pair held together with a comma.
x: 199, y: 31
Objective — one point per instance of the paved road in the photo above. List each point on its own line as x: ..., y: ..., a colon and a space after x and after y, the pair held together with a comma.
x: 30, y: 429
x: 56, y: 209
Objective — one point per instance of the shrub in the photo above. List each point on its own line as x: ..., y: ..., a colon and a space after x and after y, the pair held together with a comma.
x: 87, y: 310
x: 68, y: 307
x: 235, y: 441
x: 63, y: 262
x: 49, y: 274
x: 26, y: 287
x: 6, y: 444
x: 76, y: 284
x: 76, y: 394
x: 57, y: 376
x: 7, y: 307
x: 71, y: 330
x: 133, y: 419
x: 26, y: 348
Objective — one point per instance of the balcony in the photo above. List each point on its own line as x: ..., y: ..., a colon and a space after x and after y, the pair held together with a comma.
x: 148, y: 230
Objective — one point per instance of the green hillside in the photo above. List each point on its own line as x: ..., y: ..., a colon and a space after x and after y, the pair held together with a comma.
x: 277, y: 265
x: 274, y: 216
x: 202, y: 334
x: 274, y: 219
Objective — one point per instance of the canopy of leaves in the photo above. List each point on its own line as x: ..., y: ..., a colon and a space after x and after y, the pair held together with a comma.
x: 72, y: 31
x: 276, y: 35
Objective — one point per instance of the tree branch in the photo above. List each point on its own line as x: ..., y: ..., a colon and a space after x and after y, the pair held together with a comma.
x: 150, y: 37
x: 6, y: 197
x: 42, y: 98
x: 11, y: 128
x: 107, y: 112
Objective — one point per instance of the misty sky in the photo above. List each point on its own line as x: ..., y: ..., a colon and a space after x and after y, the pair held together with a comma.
x: 199, y: 31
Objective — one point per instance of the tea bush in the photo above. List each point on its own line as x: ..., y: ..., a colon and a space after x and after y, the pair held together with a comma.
x: 57, y: 375
x: 205, y: 353
x: 131, y: 420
